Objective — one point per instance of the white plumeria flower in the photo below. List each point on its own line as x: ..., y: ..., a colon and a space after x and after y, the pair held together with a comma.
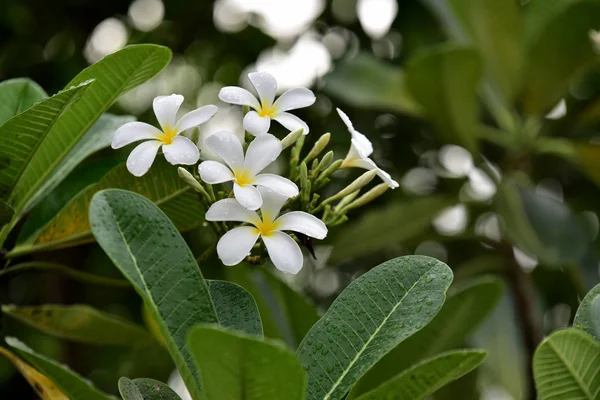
x: 360, y: 150
x: 244, y: 172
x: 177, y: 149
x: 284, y: 252
x: 226, y: 119
x: 265, y: 107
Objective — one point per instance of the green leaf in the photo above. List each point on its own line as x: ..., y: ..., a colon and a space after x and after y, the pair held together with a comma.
x: 236, y: 309
x: 81, y: 276
x: 369, y: 318
x: 68, y: 381
x: 146, y: 389
x: 113, y: 75
x: 566, y: 365
x: 587, y: 317
x: 460, y: 316
x: 285, y: 313
x: 557, y: 27
x: 23, y: 135
x: 541, y: 225
x: 426, y: 377
x: 6, y: 213
x: 367, y: 82
x: 386, y: 226
x: 145, y: 245
x: 444, y: 80
x: 587, y: 156
x: 235, y: 366
x: 161, y: 184
x: 17, y: 95
x: 80, y: 323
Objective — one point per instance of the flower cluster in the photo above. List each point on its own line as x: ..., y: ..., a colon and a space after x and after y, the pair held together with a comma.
x: 247, y: 202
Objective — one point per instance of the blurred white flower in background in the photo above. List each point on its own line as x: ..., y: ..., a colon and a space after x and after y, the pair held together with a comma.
x: 146, y: 15
x: 376, y: 16
x: 559, y: 111
x: 109, y: 36
x: 280, y: 19
x: 451, y: 221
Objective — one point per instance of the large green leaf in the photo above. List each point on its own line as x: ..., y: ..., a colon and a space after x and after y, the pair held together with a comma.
x: 557, y: 27
x: 541, y: 225
x: 367, y: 82
x: 370, y: 317
x: 444, y: 80
x: 113, y: 75
x: 460, y: 316
x: 68, y: 381
x: 80, y: 323
x: 145, y: 245
x: 17, y: 95
x: 588, y: 314
x: 23, y: 135
x: 235, y: 366
x: 236, y: 309
x: 386, y: 226
x: 566, y: 365
x: 426, y: 377
x: 285, y: 313
x: 161, y: 184
x: 6, y: 213
x: 146, y: 389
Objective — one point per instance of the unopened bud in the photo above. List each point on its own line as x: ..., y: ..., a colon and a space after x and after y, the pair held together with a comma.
x: 192, y: 182
x: 291, y: 138
x: 358, y: 183
x: 322, y: 178
x: 369, y: 196
x: 325, y: 161
x: 345, y: 201
x: 318, y: 147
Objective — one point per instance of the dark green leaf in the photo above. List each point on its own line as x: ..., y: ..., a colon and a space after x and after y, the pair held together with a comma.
x: 460, y: 316
x: 17, y: 95
x: 445, y: 80
x: 370, y: 317
x: 566, y: 365
x: 6, y: 213
x: 365, y: 81
x: 68, y: 381
x: 145, y: 245
x: 385, y: 226
x: 588, y: 314
x: 129, y: 390
x: 235, y: 308
x: 80, y: 323
x: 234, y: 366
x: 426, y: 377
x: 146, y: 389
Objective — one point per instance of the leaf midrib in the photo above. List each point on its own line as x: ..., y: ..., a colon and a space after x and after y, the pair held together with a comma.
x: 359, y: 353
x: 569, y: 367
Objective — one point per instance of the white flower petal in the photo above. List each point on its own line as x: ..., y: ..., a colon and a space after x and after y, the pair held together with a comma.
x: 295, y: 98
x: 228, y: 118
x: 213, y: 172
x: 284, y: 252
x: 278, y: 184
x: 182, y: 151
x: 387, y: 178
x: 272, y: 203
x: 262, y: 151
x: 248, y: 196
x: 196, y: 117
x: 265, y: 85
x: 165, y: 109
x: 141, y: 158
x: 231, y: 210
x: 132, y: 132
x: 239, y: 96
x: 228, y: 147
x: 299, y: 221
x: 362, y: 143
x: 236, y: 244
x: 255, y: 124
x: 291, y: 122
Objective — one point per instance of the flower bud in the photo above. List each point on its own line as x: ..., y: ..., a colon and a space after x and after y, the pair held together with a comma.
x: 318, y: 147
x: 358, y: 183
x: 345, y: 201
x: 322, y: 178
x: 291, y: 138
x: 369, y: 196
x: 194, y: 184
x: 325, y: 161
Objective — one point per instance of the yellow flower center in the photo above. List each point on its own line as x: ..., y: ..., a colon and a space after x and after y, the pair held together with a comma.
x: 267, y: 111
x: 243, y: 177
x: 167, y: 135
x: 266, y: 227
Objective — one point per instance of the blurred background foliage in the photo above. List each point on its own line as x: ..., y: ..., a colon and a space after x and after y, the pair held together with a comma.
x: 486, y: 111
